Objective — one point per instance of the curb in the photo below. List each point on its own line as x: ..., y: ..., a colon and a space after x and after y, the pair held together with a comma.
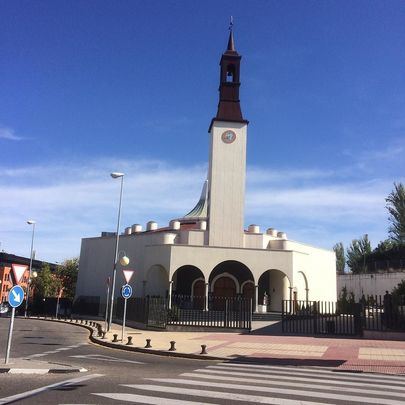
x: 111, y: 345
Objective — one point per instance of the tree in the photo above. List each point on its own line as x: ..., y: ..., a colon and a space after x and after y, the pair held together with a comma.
x: 399, y: 290
x: 357, y: 253
x: 396, y: 209
x: 340, y: 257
x: 67, y: 275
x: 45, y: 284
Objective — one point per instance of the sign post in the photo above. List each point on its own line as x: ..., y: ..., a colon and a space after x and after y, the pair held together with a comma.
x: 126, y: 293
x: 15, y: 299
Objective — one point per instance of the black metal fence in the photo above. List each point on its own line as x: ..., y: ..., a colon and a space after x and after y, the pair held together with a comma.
x: 150, y: 311
x: 384, y: 313
x: 344, y: 317
x: 320, y: 318
x: 218, y: 312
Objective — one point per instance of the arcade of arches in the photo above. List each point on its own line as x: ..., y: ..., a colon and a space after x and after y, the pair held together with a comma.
x: 232, y: 279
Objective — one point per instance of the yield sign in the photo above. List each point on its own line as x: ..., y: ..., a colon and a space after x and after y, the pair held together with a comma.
x: 128, y: 275
x: 18, y: 271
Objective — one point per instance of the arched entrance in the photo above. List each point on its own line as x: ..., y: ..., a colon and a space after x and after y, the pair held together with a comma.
x: 198, y: 288
x: 224, y: 286
x: 225, y: 282
x: 248, y: 290
x: 274, y: 287
x: 188, y: 288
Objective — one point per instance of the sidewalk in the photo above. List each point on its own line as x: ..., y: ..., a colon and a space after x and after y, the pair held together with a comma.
x: 358, y: 355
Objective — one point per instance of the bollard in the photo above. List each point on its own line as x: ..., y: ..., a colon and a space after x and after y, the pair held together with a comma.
x: 148, y: 345
x: 103, y: 333
x: 172, y: 348
x: 85, y: 322
x: 81, y: 321
x: 129, y: 343
x: 203, y: 349
x: 77, y: 321
x: 100, y: 332
x: 115, y: 338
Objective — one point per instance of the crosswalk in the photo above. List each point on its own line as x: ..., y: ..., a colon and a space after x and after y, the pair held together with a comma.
x: 228, y: 382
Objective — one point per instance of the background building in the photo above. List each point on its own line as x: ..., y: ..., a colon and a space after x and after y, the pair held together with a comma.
x: 6, y: 262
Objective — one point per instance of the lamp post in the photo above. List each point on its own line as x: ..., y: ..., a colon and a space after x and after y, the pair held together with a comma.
x: 115, y: 175
x: 30, y: 222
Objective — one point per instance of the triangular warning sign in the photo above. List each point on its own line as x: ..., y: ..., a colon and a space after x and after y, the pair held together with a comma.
x: 18, y: 271
x: 128, y: 275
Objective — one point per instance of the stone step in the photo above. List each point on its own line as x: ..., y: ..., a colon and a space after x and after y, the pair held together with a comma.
x: 267, y: 316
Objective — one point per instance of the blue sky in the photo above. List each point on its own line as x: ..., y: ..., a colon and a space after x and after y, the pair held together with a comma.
x: 88, y: 87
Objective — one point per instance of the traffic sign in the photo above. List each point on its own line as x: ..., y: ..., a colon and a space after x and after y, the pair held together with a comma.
x: 16, y: 296
x: 128, y: 275
x: 18, y: 271
x: 126, y: 291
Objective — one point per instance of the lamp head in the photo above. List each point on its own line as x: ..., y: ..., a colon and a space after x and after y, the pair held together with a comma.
x: 116, y: 175
x: 31, y: 222
x: 124, y: 261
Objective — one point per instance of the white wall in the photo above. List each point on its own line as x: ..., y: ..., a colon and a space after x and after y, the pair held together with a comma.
x: 369, y: 284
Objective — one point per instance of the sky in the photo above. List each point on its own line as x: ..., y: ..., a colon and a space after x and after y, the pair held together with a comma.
x: 90, y: 87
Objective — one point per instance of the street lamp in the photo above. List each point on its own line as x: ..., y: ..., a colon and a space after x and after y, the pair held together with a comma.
x: 30, y: 222
x: 115, y: 175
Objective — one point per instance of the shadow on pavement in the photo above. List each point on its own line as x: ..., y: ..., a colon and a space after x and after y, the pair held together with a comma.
x: 288, y: 361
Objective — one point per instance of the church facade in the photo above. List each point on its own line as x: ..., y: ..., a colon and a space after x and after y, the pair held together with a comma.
x: 208, y: 252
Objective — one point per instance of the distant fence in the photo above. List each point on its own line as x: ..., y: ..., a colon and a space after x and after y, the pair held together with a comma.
x: 343, y: 318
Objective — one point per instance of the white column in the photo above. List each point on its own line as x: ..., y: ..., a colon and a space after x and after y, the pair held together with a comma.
x: 206, y: 296
x: 256, y: 298
x: 170, y: 294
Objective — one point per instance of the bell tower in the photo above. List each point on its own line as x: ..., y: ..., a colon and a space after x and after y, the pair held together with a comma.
x: 227, y: 165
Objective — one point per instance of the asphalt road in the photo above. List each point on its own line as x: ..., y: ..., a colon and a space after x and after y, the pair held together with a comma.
x: 121, y: 377
x: 112, y: 367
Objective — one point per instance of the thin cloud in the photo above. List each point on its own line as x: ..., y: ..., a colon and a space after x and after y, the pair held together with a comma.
x: 75, y: 200
x: 9, y: 134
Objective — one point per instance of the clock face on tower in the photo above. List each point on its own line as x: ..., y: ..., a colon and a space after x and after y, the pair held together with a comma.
x: 228, y: 136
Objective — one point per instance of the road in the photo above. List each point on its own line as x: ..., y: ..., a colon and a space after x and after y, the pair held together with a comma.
x: 118, y: 377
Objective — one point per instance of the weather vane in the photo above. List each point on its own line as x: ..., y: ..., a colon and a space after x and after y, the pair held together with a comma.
x: 230, y: 23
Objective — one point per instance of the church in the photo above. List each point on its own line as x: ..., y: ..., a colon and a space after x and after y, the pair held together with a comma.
x: 208, y: 252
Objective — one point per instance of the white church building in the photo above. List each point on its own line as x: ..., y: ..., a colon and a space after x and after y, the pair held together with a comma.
x: 209, y: 252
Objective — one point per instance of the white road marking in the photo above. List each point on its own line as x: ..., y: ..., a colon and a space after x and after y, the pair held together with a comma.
x: 315, y: 385
x: 105, y: 358
x: 280, y: 374
x: 143, y: 399
x: 220, y: 395
x: 312, y: 370
x: 37, y: 391
x: 285, y: 391
x: 28, y: 371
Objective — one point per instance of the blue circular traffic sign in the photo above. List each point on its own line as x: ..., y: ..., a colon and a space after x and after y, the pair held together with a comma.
x: 16, y: 296
x: 126, y: 291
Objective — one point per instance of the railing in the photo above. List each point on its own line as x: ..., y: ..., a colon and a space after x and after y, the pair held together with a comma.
x: 380, y: 313
x: 222, y: 312
x: 320, y: 317
x: 384, y: 313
